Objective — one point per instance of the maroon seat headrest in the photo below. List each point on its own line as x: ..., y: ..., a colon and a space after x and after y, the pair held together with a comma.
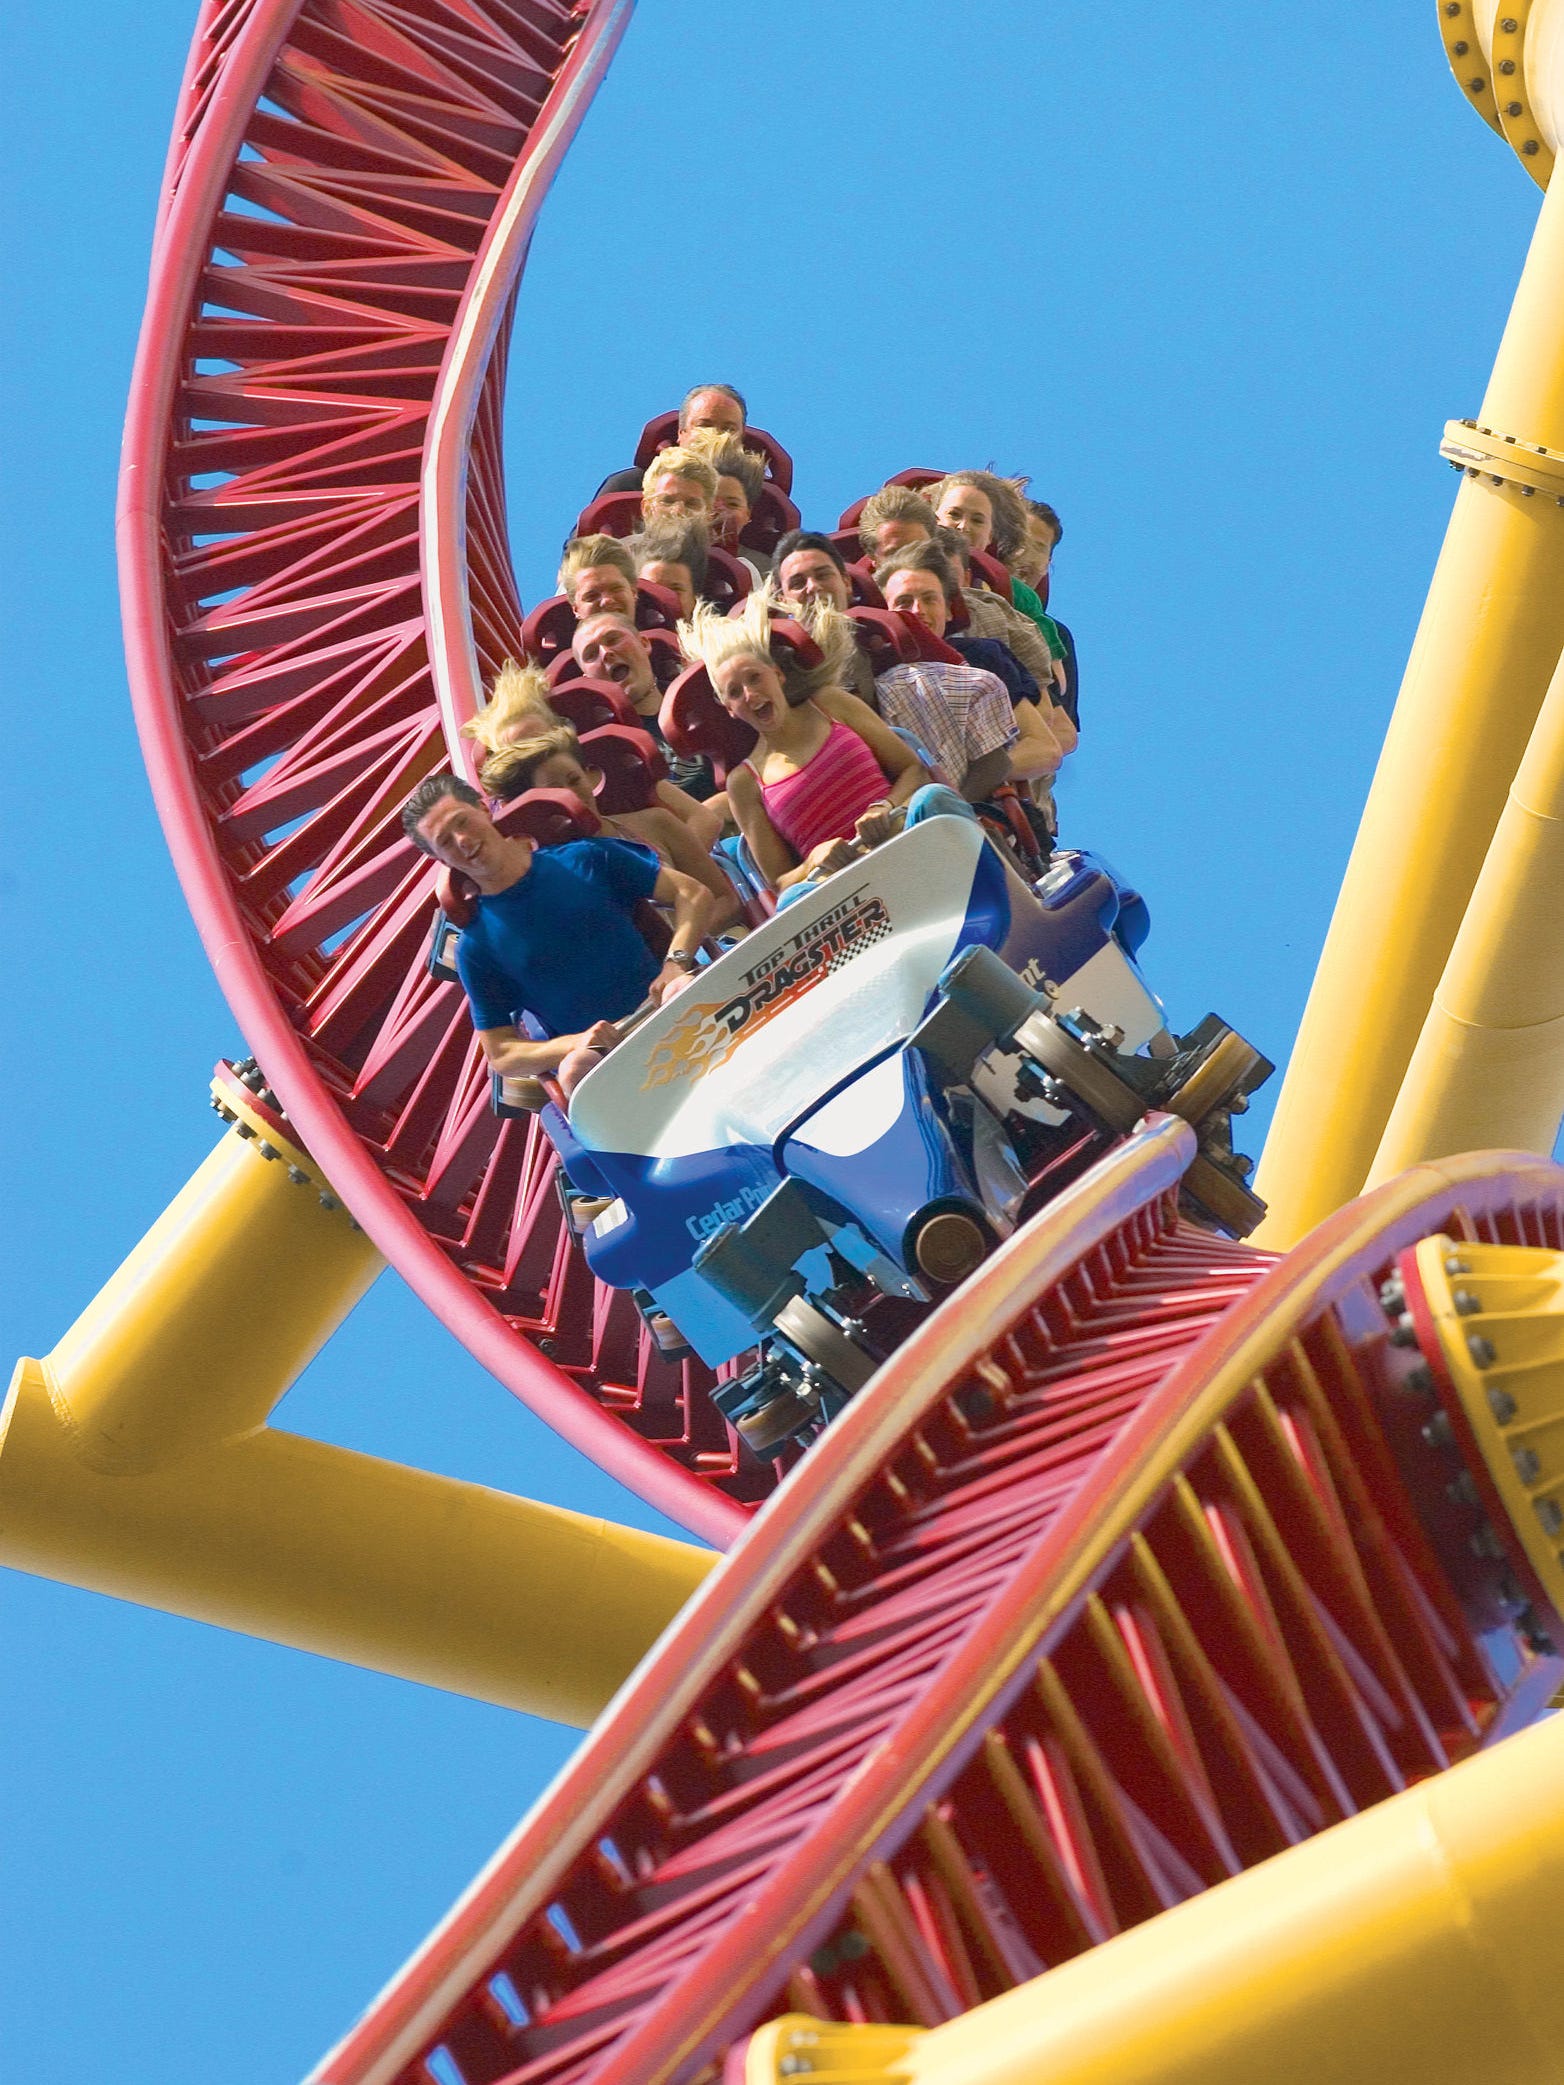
x: 925, y: 644
x: 548, y: 816
x: 548, y: 629
x: 865, y: 588
x: 848, y: 543
x: 695, y: 723
x: 992, y: 572
x: 610, y: 514
x: 655, y: 607
x: 662, y: 432
x: 772, y: 515
x: 794, y: 638
x: 916, y: 477
x: 727, y: 578
x: 563, y: 668
x: 667, y: 659
x: 883, y: 638
x: 588, y: 705
x: 960, y: 614
x: 631, y: 765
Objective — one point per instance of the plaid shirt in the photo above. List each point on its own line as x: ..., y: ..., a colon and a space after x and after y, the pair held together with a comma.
x: 958, y: 712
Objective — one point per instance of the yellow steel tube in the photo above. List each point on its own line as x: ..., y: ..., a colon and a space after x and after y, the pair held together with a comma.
x: 305, y: 1544
x: 216, y: 1311
x: 1490, y: 636
x: 1418, y: 1941
x: 1488, y: 1069
x: 136, y: 1461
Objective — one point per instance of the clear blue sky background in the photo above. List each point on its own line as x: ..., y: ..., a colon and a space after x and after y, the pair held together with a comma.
x: 1215, y: 277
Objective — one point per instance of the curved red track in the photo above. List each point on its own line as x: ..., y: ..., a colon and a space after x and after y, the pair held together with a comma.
x: 1104, y: 1589
x: 315, y: 575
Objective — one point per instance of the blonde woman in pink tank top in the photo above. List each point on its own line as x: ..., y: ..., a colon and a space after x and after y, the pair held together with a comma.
x: 827, y: 772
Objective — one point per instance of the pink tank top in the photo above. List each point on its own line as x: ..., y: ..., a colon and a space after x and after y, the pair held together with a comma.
x: 825, y: 799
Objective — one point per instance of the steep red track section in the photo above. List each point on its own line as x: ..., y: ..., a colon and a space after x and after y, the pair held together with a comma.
x: 316, y: 576
x: 1104, y: 1589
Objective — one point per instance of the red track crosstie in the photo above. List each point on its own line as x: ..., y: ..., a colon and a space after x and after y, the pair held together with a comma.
x: 1104, y: 1589
x: 316, y: 577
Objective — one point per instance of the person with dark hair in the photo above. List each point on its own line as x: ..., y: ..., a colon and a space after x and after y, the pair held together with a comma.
x: 741, y: 473
x: 809, y: 567
x: 611, y: 648
x: 717, y: 406
x: 1044, y: 534
x: 812, y: 573
x: 991, y: 617
x: 673, y: 555
x: 893, y: 517
x: 553, y: 937
x: 955, y: 710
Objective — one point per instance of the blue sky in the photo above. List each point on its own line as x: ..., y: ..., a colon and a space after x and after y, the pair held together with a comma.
x: 1218, y: 289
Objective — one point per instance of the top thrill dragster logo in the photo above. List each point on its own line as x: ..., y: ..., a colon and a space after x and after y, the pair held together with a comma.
x: 709, y: 1033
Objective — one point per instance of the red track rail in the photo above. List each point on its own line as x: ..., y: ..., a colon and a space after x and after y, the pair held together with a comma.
x: 316, y: 575
x: 1104, y: 1589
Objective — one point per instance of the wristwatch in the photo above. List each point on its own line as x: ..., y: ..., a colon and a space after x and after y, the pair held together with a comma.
x: 683, y: 958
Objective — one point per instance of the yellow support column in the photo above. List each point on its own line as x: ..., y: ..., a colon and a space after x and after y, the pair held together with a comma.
x: 1487, y: 1073
x: 1418, y: 1942
x: 1490, y: 637
x: 136, y: 1460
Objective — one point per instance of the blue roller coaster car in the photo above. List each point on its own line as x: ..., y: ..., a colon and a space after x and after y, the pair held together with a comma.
x: 828, y: 1130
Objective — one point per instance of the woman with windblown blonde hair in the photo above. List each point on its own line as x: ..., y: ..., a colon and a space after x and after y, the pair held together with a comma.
x: 517, y: 707
x: 828, y: 778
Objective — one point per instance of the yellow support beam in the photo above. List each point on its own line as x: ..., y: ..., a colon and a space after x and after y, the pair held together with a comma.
x: 1488, y: 1069
x: 216, y: 1312
x: 305, y: 1544
x: 1417, y: 1941
x: 136, y: 1460
x: 1491, y: 634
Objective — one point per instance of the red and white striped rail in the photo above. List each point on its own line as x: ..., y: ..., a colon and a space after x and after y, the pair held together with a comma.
x: 316, y: 577
x: 1105, y: 1588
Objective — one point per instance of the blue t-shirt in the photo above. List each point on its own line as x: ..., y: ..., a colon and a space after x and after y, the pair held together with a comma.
x: 561, y: 944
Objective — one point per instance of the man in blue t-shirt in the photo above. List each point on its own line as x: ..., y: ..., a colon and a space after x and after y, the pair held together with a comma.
x: 554, y: 935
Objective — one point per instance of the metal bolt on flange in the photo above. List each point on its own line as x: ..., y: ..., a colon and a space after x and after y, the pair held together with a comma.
x: 1483, y: 1351
x: 1438, y: 1432
x: 1466, y: 1303
x: 1551, y: 1514
x: 1502, y: 1406
x: 1528, y: 1464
